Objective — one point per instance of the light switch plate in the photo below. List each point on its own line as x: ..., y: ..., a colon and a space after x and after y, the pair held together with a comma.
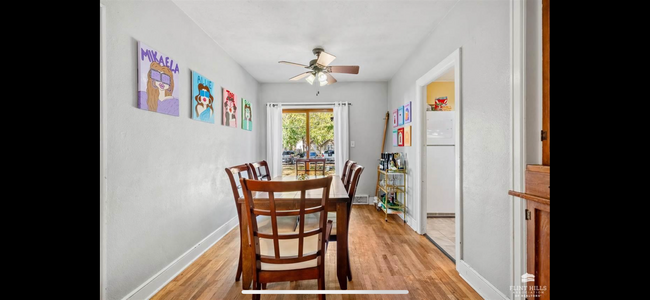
x: 351, y: 143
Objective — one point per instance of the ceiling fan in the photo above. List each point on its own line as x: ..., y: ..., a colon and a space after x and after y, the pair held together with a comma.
x: 320, y: 68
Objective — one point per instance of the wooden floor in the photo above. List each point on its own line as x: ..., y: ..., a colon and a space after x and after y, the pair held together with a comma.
x: 384, y: 256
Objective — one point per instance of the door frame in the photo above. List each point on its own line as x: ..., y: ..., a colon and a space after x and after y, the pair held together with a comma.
x: 102, y: 151
x: 419, y: 142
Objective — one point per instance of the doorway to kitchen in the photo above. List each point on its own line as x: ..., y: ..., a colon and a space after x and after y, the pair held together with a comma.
x: 307, y: 133
x: 440, y: 168
x: 437, y: 163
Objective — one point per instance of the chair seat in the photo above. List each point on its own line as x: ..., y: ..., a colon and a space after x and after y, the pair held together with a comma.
x: 285, y: 224
x: 311, y: 221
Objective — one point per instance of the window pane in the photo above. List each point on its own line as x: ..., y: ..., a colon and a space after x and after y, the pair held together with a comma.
x: 294, y: 140
x: 321, y: 137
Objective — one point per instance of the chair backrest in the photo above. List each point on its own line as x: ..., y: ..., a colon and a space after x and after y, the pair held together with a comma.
x: 344, y: 174
x: 315, y: 161
x: 250, y: 187
x: 234, y: 174
x: 257, y: 168
x: 356, y: 174
x: 348, y: 177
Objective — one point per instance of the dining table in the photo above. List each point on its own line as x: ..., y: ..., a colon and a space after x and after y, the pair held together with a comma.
x: 338, y: 201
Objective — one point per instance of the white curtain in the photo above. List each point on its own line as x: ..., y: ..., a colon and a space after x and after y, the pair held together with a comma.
x: 341, y: 136
x: 274, y: 138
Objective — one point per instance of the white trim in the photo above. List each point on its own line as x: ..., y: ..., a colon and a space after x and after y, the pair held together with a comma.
x: 518, y: 139
x: 102, y: 152
x: 419, y: 189
x: 150, y: 287
x: 478, y: 283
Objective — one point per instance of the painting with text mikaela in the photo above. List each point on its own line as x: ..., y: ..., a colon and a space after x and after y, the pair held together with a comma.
x: 158, y: 84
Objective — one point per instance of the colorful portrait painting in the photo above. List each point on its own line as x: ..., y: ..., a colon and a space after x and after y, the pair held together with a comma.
x: 395, y: 118
x: 158, y: 85
x: 407, y: 112
x: 246, y: 115
x: 394, y: 137
x: 229, y: 116
x: 400, y: 115
x: 400, y: 137
x: 202, y: 98
x: 407, y: 136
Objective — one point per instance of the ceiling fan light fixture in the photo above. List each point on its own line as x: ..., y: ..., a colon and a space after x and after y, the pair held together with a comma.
x: 322, y: 83
x: 310, y: 78
x: 322, y: 77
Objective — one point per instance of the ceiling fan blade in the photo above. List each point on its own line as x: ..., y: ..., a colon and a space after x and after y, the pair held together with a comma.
x: 301, y: 76
x: 343, y: 69
x: 293, y: 63
x: 330, y: 78
x: 325, y: 58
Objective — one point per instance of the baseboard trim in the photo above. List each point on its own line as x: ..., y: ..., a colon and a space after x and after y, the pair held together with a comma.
x: 476, y: 281
x: 440, y: 248
x: 441, y: 215
x: 150, y: 287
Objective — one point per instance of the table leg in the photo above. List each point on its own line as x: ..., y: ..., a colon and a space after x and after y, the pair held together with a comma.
x: 342, y: 244
x: 247, y: 265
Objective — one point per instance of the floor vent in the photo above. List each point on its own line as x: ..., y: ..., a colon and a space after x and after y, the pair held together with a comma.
x: 360, y: 199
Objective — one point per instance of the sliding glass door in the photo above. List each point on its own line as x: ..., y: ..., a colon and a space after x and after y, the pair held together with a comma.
x: 307, y: 133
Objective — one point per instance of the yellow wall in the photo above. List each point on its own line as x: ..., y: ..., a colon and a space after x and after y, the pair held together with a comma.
x: 441, y: 89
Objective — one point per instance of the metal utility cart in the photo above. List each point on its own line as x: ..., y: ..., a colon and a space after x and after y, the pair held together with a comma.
x: 391, y: 182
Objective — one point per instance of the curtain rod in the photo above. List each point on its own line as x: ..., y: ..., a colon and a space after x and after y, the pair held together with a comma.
x: 303, y: 104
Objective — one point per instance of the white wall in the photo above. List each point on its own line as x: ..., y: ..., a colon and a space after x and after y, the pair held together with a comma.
x: 166, y: 185
x: 481, y: 29
x: 533, y: 81
x: 369, y: 100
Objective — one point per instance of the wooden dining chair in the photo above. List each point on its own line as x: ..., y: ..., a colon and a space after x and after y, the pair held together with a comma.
x: 260, y: 170
x: 288, y: 256
x: 285, y: 224
x: 316, y: 162
x: 348, y: 178
x: 301, y: 161
x: 311, y: 222
x: 344, y: 174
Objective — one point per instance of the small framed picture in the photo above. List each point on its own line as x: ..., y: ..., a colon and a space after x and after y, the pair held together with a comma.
x: 400, y: 115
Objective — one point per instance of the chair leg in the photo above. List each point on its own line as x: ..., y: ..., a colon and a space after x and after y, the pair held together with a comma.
x: 256, y: 286
x: 349, y: 269
x: 239, y: 268
x: 321, y: 286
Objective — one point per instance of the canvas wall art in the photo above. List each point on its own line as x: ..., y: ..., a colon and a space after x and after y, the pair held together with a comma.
x: 229, y: 116
x: 246, y: 115
x: 400, y: 137
x: 400, y: 115
x: 407, y: 136
x: 202, y: 98
x: 407, y: 112
x: 158, y: 85
x: 394, y: 137
x: 395, y: 118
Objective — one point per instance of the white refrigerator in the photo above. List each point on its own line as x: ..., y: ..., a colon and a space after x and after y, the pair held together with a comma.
x: 441, y: 168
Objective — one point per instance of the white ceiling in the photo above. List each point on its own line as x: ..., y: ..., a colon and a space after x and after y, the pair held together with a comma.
x: 376, y: 35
